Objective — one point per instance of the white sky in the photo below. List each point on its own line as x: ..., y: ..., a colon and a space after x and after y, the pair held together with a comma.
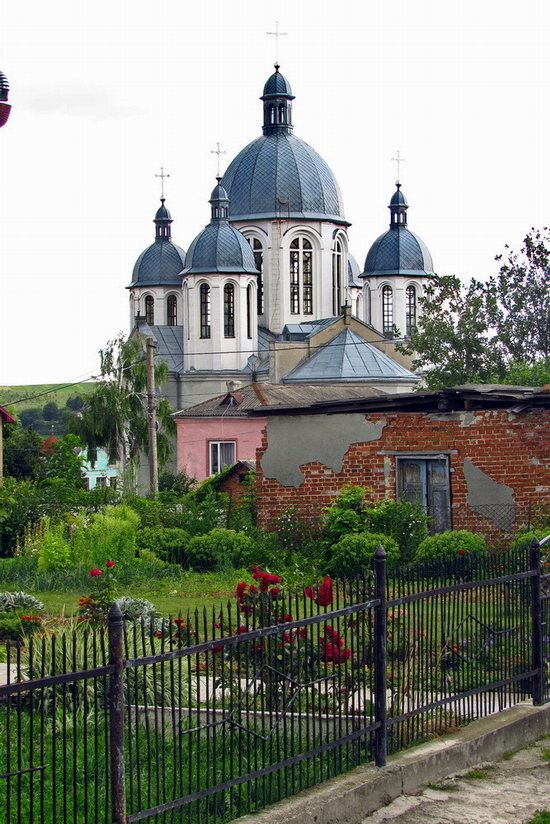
x: 105, y: 92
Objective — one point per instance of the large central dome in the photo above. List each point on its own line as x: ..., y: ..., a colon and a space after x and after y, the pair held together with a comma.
x: 278, y: 175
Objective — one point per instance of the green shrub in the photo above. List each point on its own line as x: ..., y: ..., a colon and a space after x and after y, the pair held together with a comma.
x: 137, y: 609
x: 54, y: 549
x: 296, y: 536
x: 523, y: 539
x: 13, y: 601
x: 405, y: 522
x: 354, y: 554
x: 217, y: 549
x: 11, y: 627
x: 167, y: 543
x: 106, y: 536
x: 346, y: 514
x: 447, y: 546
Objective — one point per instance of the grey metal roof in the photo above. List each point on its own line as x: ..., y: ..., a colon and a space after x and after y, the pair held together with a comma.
x: 347, y: 357
x: 398, y: 198
x: 159, y: 265
x: 398, y: 252
x: 354, y: 272
x: 301, y: 331
x: 219, y: 248
x: 238, y: 403
x: 169, y: 344
x: 278, y: 175
x: 163, y: 214
x: 277, y: 85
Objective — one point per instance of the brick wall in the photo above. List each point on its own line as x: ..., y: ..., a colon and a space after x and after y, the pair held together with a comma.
x: 512, y: 449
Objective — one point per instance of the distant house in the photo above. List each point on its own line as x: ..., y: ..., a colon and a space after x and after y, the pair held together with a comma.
x: 475, y: 457
x: 5, y: 417
x: 101, y: 474
x: 219, y: 432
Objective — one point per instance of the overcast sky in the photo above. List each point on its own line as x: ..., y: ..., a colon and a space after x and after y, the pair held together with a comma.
x: 104, y: 93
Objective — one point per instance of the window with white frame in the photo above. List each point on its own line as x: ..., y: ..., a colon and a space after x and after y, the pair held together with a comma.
x: 172, y: 310
x: 258, y: 251
x: 410, y: 309
x: 337, y: 278
x: 301, y: 276
x: 150, y: 310
x: 222, y: 454
x: 387, y: 311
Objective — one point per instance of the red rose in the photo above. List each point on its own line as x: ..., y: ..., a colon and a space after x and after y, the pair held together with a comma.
x: 275, y: 592
x: 95, y: 572
x: 242, y: 629
x: 461, y: 552
x: 110, y: 564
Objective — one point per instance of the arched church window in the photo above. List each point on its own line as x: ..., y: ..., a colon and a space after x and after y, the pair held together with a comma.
x: 282, y: 113
x: 249, y: 315
x: 272, y: 114
x: 410, y: 309
x: 258, y: 251
x: 205, y: 311
x: 172, y: 310
x: 229, y: 310
x: 301, y: 276
x: 367, y: 315
x: 337, y: 278
x: 150, y: 310
x: 387, y: 310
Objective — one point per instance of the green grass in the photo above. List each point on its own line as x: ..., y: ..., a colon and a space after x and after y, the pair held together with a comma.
x: 540, y: 817
x: 479, y: 773
x: 546, y: 754
x: 444, y: 787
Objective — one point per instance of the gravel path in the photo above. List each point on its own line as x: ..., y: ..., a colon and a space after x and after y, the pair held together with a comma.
x: 508, y: 792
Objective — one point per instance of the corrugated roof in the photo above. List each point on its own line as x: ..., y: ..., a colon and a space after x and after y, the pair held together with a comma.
x: 263, y: 395
x: 347, y: 357
x: 169, y: 344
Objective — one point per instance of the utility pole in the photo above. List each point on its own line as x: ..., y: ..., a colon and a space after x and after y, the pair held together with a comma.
x: 152, y: 418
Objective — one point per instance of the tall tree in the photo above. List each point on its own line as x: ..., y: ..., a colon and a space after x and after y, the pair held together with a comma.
x: 453, y: 342
x: 520, y: 296
x: 115, y: 416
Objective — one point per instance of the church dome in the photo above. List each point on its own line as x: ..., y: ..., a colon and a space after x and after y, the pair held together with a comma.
x: 161, y: 263
x: 219, y: 247
x: 279, y: 175
x: 398, y: 251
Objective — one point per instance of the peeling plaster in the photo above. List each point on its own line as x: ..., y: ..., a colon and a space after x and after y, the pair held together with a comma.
x: 488, y: 498
x: 301, y: 439
x: 534, y: 461
x: 464, y: 418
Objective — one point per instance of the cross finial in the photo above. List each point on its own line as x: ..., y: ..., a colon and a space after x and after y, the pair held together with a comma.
x: 276, y: 34
x: 219, y: 152
x: 398, y: 160
x: 162, y: 176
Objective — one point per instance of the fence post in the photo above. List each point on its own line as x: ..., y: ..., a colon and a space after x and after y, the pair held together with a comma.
x: 116, y: 715
x: 536, y: 625
x: 380, y: 641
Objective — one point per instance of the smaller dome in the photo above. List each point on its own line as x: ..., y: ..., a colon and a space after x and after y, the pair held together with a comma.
x: 354, y: 272
x: 398, y: 198
x: 219, y: 248
x: 218, y: 192
x: 159, y: 265
x: 277, y: 86
x: 162, y: 212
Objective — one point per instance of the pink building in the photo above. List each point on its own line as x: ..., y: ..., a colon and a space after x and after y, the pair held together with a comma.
x: 218, y: 432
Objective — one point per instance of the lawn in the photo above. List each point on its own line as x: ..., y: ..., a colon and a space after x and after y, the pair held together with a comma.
x: 58, y: 393
x: 195, y: 591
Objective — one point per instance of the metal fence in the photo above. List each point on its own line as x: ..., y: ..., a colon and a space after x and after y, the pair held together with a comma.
x: 211, y: 716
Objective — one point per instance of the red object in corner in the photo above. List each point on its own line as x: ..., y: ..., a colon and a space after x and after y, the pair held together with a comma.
x: 5, y: 109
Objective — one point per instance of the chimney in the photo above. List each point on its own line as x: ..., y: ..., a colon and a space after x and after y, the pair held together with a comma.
x: 346, y: 311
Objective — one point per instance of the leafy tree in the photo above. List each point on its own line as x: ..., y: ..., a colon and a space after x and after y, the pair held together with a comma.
x: 50, y: 411
x: 76, y: 404
x: 453, y: 343
x: 22, y: 453
x: 63, y: 460
x: 521, y: 297
x: 115, y: 416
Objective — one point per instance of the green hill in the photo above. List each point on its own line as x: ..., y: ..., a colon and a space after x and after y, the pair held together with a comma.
x: 56, y: 392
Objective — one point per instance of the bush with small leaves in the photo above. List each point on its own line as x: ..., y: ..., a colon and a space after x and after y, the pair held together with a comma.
x: 22, y: 601
x: 137, y: 609
x: 450, y: 545
x: 217, y: 550
x: 168, y: 543
x: 354, y: 554
x: 403, y: 521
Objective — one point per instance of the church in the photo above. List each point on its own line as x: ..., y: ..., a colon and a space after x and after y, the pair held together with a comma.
x: 269, y: 292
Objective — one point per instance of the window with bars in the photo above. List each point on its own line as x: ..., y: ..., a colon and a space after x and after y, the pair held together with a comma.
x: 258, y: 251
x: 172, y: 310
x: 410, y: 309
x: 150, y: 310
x: 222, y: 454
x: 337, y: 278
x: 301, y: 275
x: 387, y: 310
x: 205, y: 311
x: 229, y: 310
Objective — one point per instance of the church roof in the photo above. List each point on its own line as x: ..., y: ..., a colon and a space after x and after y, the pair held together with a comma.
x: 159, y: 265
x: 348, y: 357
x: 354, y: 273
x: 220, y: 248
x: 278, y: 175
x: 169, y: 341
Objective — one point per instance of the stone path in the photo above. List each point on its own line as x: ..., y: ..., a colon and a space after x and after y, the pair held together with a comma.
x: 510, y: 793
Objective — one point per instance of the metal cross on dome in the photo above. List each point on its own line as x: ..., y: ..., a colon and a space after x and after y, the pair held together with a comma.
x: 398, y: 160
x: 219, y: 152
x: 276, y: 34
x: 162, y: 175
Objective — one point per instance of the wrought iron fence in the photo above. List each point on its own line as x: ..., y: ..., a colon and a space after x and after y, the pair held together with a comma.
x: 211, y: 716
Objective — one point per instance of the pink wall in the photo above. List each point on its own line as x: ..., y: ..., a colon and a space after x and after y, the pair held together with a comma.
x: 194, y: 435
